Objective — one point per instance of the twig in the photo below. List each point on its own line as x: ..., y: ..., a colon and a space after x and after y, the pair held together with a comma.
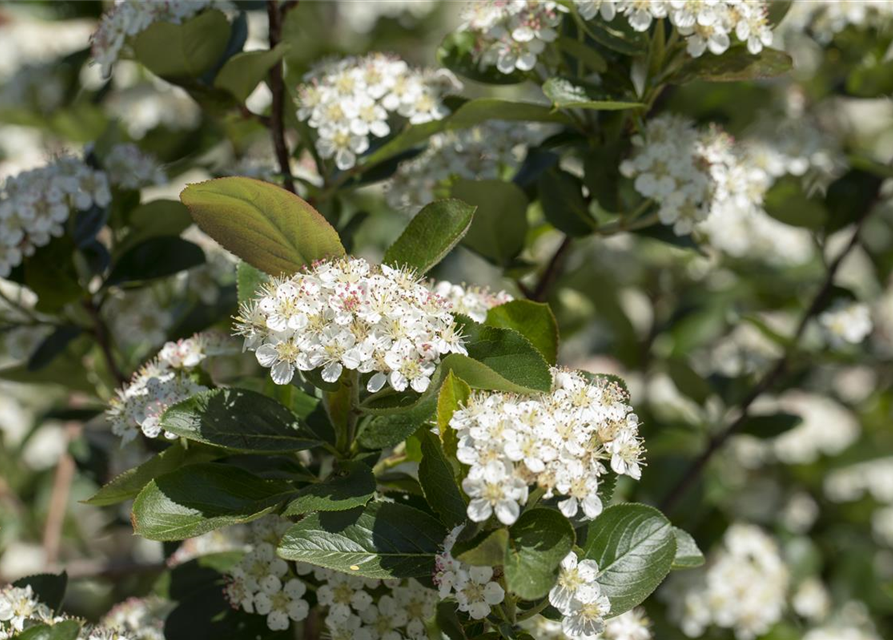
x: 58, y: 506
x: 277, y: 88
x: 768, y: 380
x: 101, y: 333
x: 553, y: 269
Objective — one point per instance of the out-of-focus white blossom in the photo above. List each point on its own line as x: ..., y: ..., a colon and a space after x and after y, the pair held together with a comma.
x: 839, y: 632
x: 143, y: 107
x: 351, y: 101
x: 811, y: 600
x: 139, y: 618
x: 159, y: 384
x: 472, y: 587
x: 706, y: 25
x: 824, y: 19
x: 561, y: 441
x: 471, y: 301
x: 130, y: 17
x: 35, y: 205
x: 347, y: 314
x: 510, y: 35
x: 361, y: 17
x: 846, y: 323
x: 874, y: 477
x: 742, y: 587
x: 132, y: 168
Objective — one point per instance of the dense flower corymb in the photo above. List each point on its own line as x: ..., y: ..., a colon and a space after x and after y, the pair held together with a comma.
x: 560, y: 441
x: 350, y: 101
x: 347, y: 314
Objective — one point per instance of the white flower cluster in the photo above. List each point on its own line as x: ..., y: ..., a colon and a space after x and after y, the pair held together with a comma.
x: 20, y: 609
x: 131, y: 17
x: 840, y: 632
x: 579, y: 598
x: 828, y: 428
x: 742, y: 587
x: 159, y: 384
x: 874, y: 477
x: 361, y: 17
x: 261, y: 583
x: 846, y: 323
x: 347, y: 314
x: 471, y: 301
x: 34, y: 205
x: 131, y: 168
x: 143, y: 107
x: 482, y: 152
x: 473, y: 588
x: 632, y: 625
x: 687, y: 171
x: 558, y: 441
x: 826, y: 18
x: 511, y: 34
x: 139, y: 618
x: 138, y: 318
x: 354, y: 607
x: 705, y: 24
x: 349, y: 101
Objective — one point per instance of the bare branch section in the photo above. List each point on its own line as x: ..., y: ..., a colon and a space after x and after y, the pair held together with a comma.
x: 276, y: 15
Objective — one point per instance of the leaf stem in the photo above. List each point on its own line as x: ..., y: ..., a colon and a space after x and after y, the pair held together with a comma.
x: 540, y: 607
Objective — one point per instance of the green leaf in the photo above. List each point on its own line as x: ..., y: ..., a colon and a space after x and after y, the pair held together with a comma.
x: 584, y: 53
x: 769, y: 425
x: 350, y: 487
x: 155, y: 258
x: 787, y: 202
x: 454, y: 393
x: 533, y: 320
x: 507, y: 353
x: 456, y: 53
x: 384, y: 540
x: 439, y: 483
x: 871, y: 80
x: 49, y: 588
x: 849, y: 196
x: 735, y: 65
x: 499, y: 229
x: 128, y: 485
x: 203, y: 497
x: 154, y: 219
x: 244, y: 71
x: 481, y: 110
x: 538, y: 542
x: 389, y: 430
x: 65, y: 630
x: 248, y: 281
x: 564, y: 94
x: 617, y: 35
x: 561, y: 196
x: 51, y: 274
x: 265, y: 225
x: 237, y: 419
x: 182, y: 51
x: 485, y: 550
x: 688, y: 556
x: 52, y: 346
x: 688, y: 381
x: 430, y: 235
x: 634, y: 546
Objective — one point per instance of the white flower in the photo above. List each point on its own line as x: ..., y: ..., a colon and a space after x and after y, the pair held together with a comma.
x: 576, y: 580
x: 632, y: 625
x: 343, y: 594
x: 281, y: 602
x: 19, y: 605
x: 419, y: 604
x: 476, y: 592
x: 384, y: 619
x: 131, y: 168
x: 493, y: 489
x: 471, y: 301
x: 348, y: 314
x: 586, y: 619
x: 846, y: 323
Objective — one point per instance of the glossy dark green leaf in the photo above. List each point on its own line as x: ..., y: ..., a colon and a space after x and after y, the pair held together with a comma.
x: 688, y: 555
x: 430, y: 235
x: 788, y: 202
x: 65, y: 630
x: 182, y: 51
x: 202, y: 497
x: 49, y: 588
x: 538, y: 542
x: 128, y: 485
x: 439, y: 483
x: 155, y: 258
x: 382, y: 540
x: 507, y: 353
x: 533, y: 320
x: 634, y: 546
x: 564, y: 94
x: 488, y: 549
x: 561, y: 196
x: 499, y: 228
x: 353, y: 485
x: 238, y: 419
x: 735, y: 65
